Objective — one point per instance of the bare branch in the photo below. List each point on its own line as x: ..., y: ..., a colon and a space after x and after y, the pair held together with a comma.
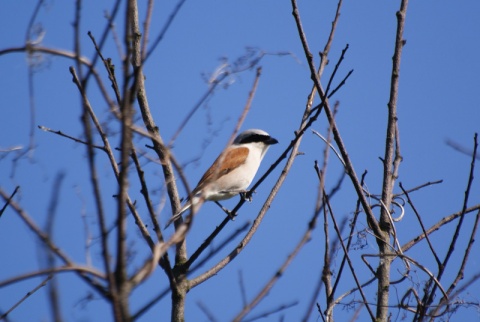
x: 48, y: 242
x: 65, y: 54
x: 391, y: 164
x: 418, y: 187
x: 272, y: 311
x: 148, y: 267
x: 430, y: 293
x: 165, y: 28
x: 146, y: 28
x: 330, y: 145
x: 349, y: 166
x: 461, y: 271
x: 58, y: 132
x: 53, y: 271
x: 219, y: 76
x: 438, y: 225
x: 146, y: 195
x: 419, y: 218
x: 213, y: 249
x: 206, y: 311
x: 456, y: 146
x: 93, y: 176
x: 428, y: 300
x: 32, y: 58
x: 39, y: 286
x: 111, y: 16
x: 111, y: 76
x: 345, y: 252
x: 108, y: 150
x: 265, y: 290
x: 8, y: 200
x: 326, y: 274
x: 52, y: 288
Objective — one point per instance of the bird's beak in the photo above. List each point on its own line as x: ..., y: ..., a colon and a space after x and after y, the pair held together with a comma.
x: 271, y: 141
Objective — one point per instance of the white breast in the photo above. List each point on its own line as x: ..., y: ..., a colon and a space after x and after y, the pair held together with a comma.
x: 239, y: 179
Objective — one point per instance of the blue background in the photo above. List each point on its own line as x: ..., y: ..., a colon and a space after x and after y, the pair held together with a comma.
x: 438, y: 101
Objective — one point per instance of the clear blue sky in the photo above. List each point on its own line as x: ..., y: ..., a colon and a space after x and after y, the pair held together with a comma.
x: 439, y: 101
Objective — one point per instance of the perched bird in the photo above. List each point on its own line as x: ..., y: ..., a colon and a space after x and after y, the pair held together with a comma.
x: 233, y: 170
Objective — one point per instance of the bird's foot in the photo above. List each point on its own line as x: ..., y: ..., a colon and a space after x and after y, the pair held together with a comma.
x: 247, y: 195
x: 225, y: 210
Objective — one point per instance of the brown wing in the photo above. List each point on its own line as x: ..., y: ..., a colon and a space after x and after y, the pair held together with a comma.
x: 224, y: 164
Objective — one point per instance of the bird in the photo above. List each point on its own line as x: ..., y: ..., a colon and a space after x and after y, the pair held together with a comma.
x: 232, y: 172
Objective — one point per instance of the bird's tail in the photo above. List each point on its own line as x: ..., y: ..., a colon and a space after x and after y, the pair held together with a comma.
x: 178, y: 214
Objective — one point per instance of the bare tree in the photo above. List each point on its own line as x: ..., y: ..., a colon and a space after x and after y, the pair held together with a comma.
x: 128, y: 244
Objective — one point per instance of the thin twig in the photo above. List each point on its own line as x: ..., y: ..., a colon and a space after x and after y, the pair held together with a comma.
x: 243, y: 292
x: 8, y: 200
x: 215, y: 249
x: 52, y: 288
x: 165, y: 28
x: 113, y: 162
x: 53, y: 271
x: 148, y: 266
x: 340, y: 85
x: 32, y: 56
x: 326, y: 269
x: 165, y: 261
x: 349, y: 166
x: 430, y: 293
x: 353, y: 225
x: 353, y: 290
x: 110, y: 68
x: 323, y: 62
x: 419, y: 218
x: 104, y: 37
x: 429, y: 183
x: 146, y: 195
x: 146, y: 28
x: 94, y: 179
x: 150, y: 304
x: 329, y: 144
x: 216, y: 80
x: 335, y: 69
x: 86, y: 227
x: 306, y: 237
x: 206, y: 311
x: 345, y: 252
x: 326, y: 272
x: 39, y: 286
x: 65, y: 54
x: 456, y: 146
x: 326, y: 275
x: 429, y: 299
x: 265, y: 290
x: 58, y: 132
x: 438, y: 225
x: 461, y: 271
x: 266, y: 314
x: 49, y: 243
